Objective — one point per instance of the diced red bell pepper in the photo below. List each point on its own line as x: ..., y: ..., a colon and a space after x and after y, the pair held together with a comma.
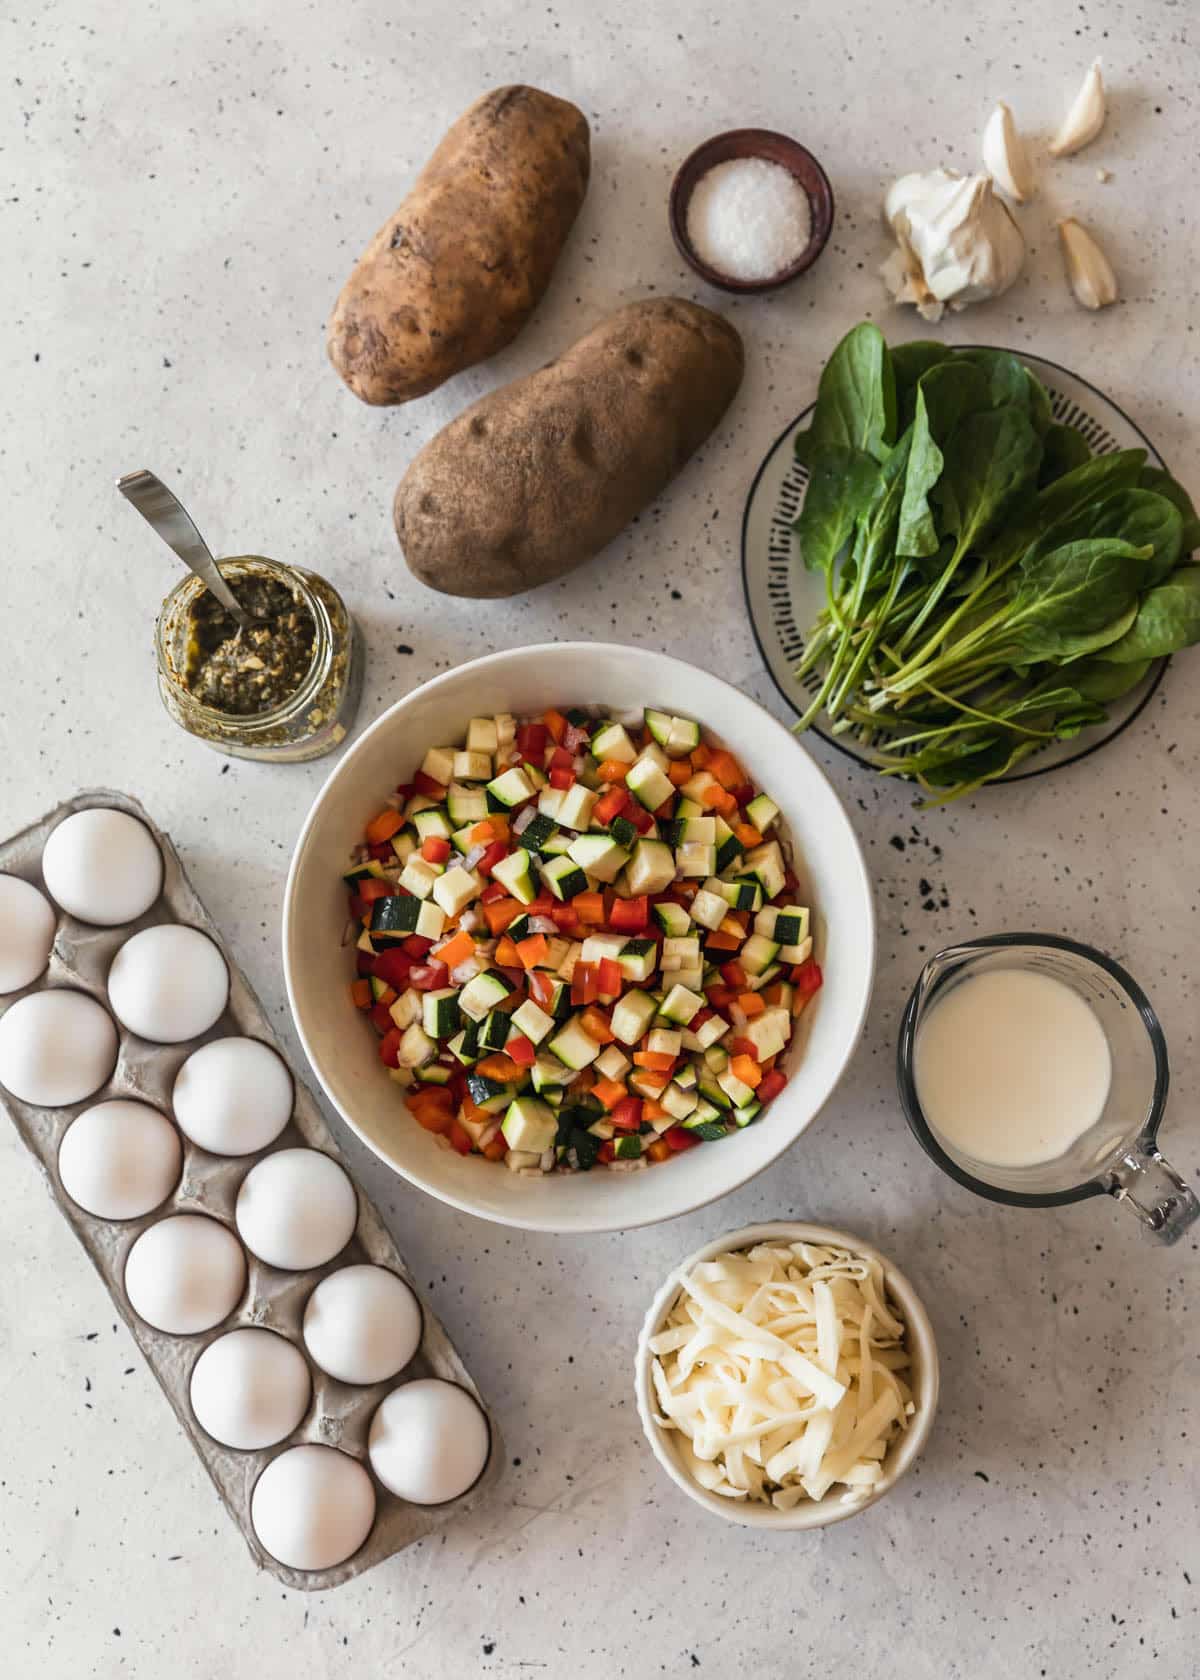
x: 563, y: 779
x: 371, y: 890
x: 561, y: 759
x: 770, y: 1085
x: 563, y: 916
x: 595, y: 1023
x: 734, y: 975
x: 630, y: 915
x: 610, y: 805
x: 516, y: 978
x: 405, y: 790
x: 358, y: 906
x: 426, y: 785
x: 741, y: 1047
x: 491, y: 857
x: 542, y: 905
x: 393, y: 967
x: 639, y: 817
x: 381, y: 852
x: 435, y: 849
x: 678, y: 1140
x: 607, y: 1151
x: 429, y: 977
x: 541, y: 986
x: 699, y: 1018
x: 416, y: 946
x: 531, y: 742
x: 791, y: 886
x: 807, y: 978
x: 460, y: 1139
x: 585, y: 984
x: 627, y: 1115
x: 720, y: 997
x: 493, y: 893
x: 364, y: 963
x: 389, y: 1047
x: 521, y: 1049
x: 609, y: 978
x: 380, y: 1019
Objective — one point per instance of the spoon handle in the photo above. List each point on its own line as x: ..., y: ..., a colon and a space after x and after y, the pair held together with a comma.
x: 165, y: 513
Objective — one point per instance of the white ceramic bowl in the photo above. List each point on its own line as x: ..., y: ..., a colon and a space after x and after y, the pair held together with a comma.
x: 341, y: 1045
x: 923, y: 1380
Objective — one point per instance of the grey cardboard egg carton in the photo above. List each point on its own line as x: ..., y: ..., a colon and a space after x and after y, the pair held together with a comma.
x: 339, y: 1414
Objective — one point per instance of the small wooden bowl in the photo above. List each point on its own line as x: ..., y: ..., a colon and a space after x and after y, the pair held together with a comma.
x: 773, y: 148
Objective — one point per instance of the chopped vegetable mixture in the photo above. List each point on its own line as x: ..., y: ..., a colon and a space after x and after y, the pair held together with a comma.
x: 580, y: 941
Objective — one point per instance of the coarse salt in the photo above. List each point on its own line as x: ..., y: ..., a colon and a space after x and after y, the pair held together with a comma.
x: 749, y: 219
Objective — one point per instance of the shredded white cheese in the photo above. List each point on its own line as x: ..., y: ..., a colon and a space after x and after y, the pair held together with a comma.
x: 779, y: 1368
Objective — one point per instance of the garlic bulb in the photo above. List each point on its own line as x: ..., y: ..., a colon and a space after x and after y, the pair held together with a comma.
x: 1005, y: 157
x: 957, y: 242
x: 1088, y: 269
x: 1085, y: 119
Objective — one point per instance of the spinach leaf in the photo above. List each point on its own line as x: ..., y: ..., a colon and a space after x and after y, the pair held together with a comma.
x: 841, y: 485
x: 991, y: 459
x: 856, y: 398
x: 916, y: 532
x: 1099, y: 680
x: 1153, y: 478
x: 1168, y: 620
x: 1069, y: 594
x: 1141, y: 517
x: 1103, y: 473
x: 1063, y: 449
x: 1010, y: 383
x: 909, y: 362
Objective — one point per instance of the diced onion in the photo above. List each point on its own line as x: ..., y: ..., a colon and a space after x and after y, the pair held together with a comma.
x: 542, y: 924
x: 739, y: 1017
x: 523, y: 819
x: 473, y: 856
x: 469, y: 920
x: 466, y: 970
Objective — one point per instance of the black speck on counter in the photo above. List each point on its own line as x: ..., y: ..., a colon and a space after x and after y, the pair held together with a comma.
x: 982, y: 1477
x: 897, y: 842
x: 924, y: 887
x: 403, y: 647
x: 677, y: 594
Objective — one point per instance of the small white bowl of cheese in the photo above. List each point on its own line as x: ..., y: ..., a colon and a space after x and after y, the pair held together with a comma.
x: 786, y: 1376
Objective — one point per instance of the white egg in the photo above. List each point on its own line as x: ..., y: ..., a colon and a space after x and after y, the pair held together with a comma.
x: 362, y: 1324
x: 185, y: 1274
x: 120, y: 1159
x: 56, y: 1047
x: 233, y: 1096
x: 103, y: 866
x: 26, y: 933
x: 168, y: 983
x: 312, y: 1507
x: 296, y: 1209
x: 429, y: 1441
x: 250, y: 1388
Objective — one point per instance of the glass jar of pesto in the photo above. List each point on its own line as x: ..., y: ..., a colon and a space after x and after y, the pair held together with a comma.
x: 285, y: 690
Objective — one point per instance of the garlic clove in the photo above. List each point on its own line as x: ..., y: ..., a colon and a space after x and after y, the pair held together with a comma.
x: 1085, y: 119
x: 1088, y: 269
x: 1005, y: 157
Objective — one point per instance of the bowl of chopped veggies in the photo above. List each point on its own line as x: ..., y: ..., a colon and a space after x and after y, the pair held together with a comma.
x: 786, y: 1376
x: 578, y: 938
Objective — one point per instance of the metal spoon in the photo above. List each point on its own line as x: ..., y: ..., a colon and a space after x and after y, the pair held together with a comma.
x: 165, y: 513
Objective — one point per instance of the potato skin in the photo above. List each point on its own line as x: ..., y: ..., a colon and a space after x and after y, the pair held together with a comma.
x: 539, y: 475
x: 454, y: 275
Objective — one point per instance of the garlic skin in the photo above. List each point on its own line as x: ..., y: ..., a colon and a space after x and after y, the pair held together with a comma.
x: 957, y: 242
x: 1088, y: 269
x: 1005, y: 157
x: 1086, y: 117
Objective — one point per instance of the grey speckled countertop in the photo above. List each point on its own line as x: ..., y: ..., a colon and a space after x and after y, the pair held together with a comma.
x: 184, y: 189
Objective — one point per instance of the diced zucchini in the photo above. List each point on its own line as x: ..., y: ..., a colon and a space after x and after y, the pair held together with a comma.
x: 506, y: 729
x: 363, y: 942
x: 680, y: 953
x: 433, y: 824
x: 698, y: 831
x: 637, y: 959
x: 786, y: 925
x: 705, y: 1113
x: 698, y: 785
x: 762, y: 812
x: 465, y: 1046
x: 623, y: 832
x: 648, y: 784
x: 741, y: 894
x: 685, y: 807
x: 372, y: 870
x: 694, y: 860
x: 512, y: 787
x: 564, y: 877
x: 708, y: 1088
x: 433, y: 1073
x: 530, y: 1124
x: 665, y: 1041
x: 632, y: 1015
x: 709, y: 909
x: 611, y: 740
x: 438, y: 764
x: 416, y: 1047
x: 482, y: 993
x: 379, y: 988
x: 653, y: 754
x: 575, y: 810
x: 494, y: 1030
x: 404, y: 845
x: 550, y: 802
x: 394, y: 919
x: 419, y: 877
x: 454, y: 890
x: 439, y: 1015
x: 535, y: 833
x: 659, y: 725
x: 548, y: 1074
x: 612, y: 1062
x: 465, y: 805
x: 419, y: 802
x: 674, y: 920
x: 746, y: 1115
x: 706, y: 1034
x: 729, y: 847
x: 678, y: 1102
x: 738, y: 1092
x: 533, y: 1021
x: 686, y: 1075
x: 679, y: 1005
x: 769, y: 1033
x: 765, y: 864
x: 627, y: 1147
x: 757, y: 953
x: 558, y: 845
x: 716, y: 1058
x: 406, y: 1009
x: 599, y: 855
x: 598, y: 946
x: 482, y: 735
x: 573, y: 1046
x: 651, y: 868
x: 515, y: 874
x: 492, y: 1095
x: 683, y: 739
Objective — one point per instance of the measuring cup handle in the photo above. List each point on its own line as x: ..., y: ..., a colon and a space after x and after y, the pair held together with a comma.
x: 1148, y: 1184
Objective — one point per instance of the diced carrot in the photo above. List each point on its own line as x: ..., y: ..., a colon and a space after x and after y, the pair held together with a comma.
x: 387, y: 997
x: 360, y: 992
x: 482, y: 832
x: 497, y: 1149
x: 773, y: 995
x: 608, y: 1092
x: 726, y: 769
x: 533, y: 950
x: 747, y: 1070
x: 382, y: 827
x: 612, y: 770
x: 736, y: 922
x: 747, y: 834
x: 716, y: 799
x: 648, y: 1083
x: 556, y: 723
x: 658, y: 1150
x: 460, y: 1138
x: 433, y: 1119
x: 751, y: 1004
x: 653, y: 1110
x: 680, y: 771
x: 701, y: 756
x: 686, y: 889
x: 472, y: 1111
x: 722, y: 940
x: 595, y: 1023
x: 499, y: 1067
x: 655, y: 1060
x: 589, y: 907
x: 507, y: 955
x: 500, y: 913
x: 456, y: 950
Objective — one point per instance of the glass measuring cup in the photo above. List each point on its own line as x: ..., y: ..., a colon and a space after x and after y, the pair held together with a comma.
x: 1118, y: 1155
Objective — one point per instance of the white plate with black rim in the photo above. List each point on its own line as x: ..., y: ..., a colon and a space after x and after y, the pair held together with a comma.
x: 783, y: 599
